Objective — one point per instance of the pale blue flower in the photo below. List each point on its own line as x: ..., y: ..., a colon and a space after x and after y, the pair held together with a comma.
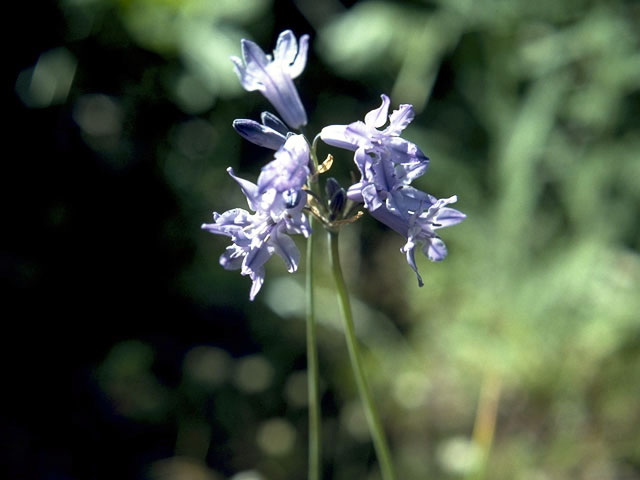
x: 278, y: 200
x: 273, y: 75
x: 256, y: 237
x: 416, y: 216
x: 386, y: 161
x: 371, y: 144
x: 271, y: 133
x: 290, y: 169
x: 388, y: 165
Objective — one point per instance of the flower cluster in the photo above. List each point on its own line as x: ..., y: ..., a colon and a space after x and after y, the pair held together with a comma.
x: 285, y: 187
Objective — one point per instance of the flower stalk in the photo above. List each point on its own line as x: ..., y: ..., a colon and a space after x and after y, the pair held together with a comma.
x: 312, y: 369
x: 373, y: 419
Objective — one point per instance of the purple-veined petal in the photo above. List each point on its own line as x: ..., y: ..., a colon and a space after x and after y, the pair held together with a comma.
x: 297, y: 67
x: 249, y: 189
x: 281, y: 92
x: 363, y: 161
x: 286, y: 48
x: 354, y: 193
x: 254, y: 57
x: 290, y: 168
x: 434, y: 209
x: 411, y: 162
x: 409, y: 250
x: 384, y: 176
x: 399, y: 119
x: 286, y: 248
x: 447, y: 217
x: 248, y: 81
x: 409, y: 201
x: 273, y: 76
x: 229, y: 223
x: 392, y: 219
x: 336, y: 135
x: 273, y: 122
x: 259, y: 134
x: 378, y: 117
x: 435, y: 249
x: 256, y: 258
x: 297, y: 223
x: 257, y: 279
x: 371, y: 197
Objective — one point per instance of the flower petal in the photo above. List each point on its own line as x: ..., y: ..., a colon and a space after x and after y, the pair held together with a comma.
x: 399, y: 119
x: 447, y: 217
x: 257, y: 277
x: 253, y: 55
x: 435, y: 249
x: 286, y: 48
x: 256, y: 258
x: 336, y: 135
x: 273, y: 122
x: 286, y: 248
x: 248, y: 81
x: 409, y: 250
x: 290, y: 168
x: 297, y: 67
x: 249, y: 189
x: 378, y: 117
x: 281, y: 92
x: 259, y: 134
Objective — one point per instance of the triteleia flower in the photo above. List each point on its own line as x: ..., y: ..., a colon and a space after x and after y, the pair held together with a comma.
x: 278, y: 201
x: 256, y: 237
x: 416, y: 216
x: 388, y: 165
x: 273, y: 75
x: 290, y: 169
x: 271, y: 133
x: 372, y: 145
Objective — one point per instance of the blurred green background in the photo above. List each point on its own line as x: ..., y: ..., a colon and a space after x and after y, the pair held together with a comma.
x: 520, y: 357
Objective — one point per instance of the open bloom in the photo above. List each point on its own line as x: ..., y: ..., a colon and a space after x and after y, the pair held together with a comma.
x: 416, y: 216
x: 256, y: 237
x: 273, y: 75
x: 277, y: 200
x: 384, y: 158
x: 388, y: 164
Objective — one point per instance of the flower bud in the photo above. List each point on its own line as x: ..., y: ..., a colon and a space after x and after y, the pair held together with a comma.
x: 337, y: 198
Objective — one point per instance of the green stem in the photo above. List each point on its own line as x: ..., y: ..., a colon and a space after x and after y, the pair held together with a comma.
x: 312, y: 367
x: 373, y: 419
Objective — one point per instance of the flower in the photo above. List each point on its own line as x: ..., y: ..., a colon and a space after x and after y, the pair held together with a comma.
x: 385, y: 160
x: 273, y: 75
x: 277, y: 200
x: 271, y: 133
x: 416, y: 216
x: 256, y: 237
x: 290, y: 169
x: 388, y: 165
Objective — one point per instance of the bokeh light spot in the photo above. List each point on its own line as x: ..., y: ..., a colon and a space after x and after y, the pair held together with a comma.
x: 295, y: 390
x: 208, y: 366
x: 48, y: 82
x: 276, y: 436
x: 253, y: 374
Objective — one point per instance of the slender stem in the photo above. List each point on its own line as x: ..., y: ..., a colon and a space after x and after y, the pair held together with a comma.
x: 312, y: 368
x: 373, y: 419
